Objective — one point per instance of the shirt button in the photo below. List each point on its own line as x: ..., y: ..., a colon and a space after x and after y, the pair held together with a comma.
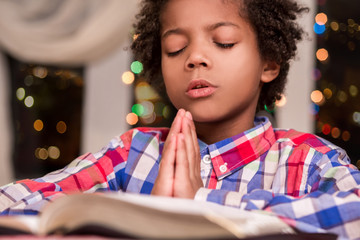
x: 206, y: 159
x: 223, y: 168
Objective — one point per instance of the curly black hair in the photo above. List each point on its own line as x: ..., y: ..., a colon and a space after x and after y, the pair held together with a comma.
x: 274, y: 22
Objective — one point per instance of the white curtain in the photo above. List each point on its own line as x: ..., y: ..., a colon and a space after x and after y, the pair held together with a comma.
x: 64, y: 32
x: 90, y: 33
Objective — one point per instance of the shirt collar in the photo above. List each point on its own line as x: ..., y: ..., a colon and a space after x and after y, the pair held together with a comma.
x: 230, y: 154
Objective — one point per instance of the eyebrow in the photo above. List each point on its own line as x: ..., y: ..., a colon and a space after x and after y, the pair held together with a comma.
x: 209, y: 28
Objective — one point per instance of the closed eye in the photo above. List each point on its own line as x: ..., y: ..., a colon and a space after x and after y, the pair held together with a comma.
x: 173, y: 54
x: 225, y: 45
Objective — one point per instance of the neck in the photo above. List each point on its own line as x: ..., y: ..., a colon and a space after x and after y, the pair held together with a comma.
x: 216, y: 131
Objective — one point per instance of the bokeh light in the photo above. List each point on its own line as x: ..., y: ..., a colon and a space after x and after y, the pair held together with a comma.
x: 41, y: 153
x: 335, y: 26
x: 356, y: 117
x: 136, y: 67
x: 61, y: 127
x: 321, y: 18
x: 148, y: 108
x: 166, y: 112
x: 326, y: 129
x: 138, y: 109
x: 143, y: 91
x: 40, y: 72
x: 132, y: 119
x: 315, y: 109
x: 317, y: 74
x: 54, y: 152
x: 128, y: 77
x: 148, y: 119
x: 29, y: 101
x: 317, y: 97
x: 29, y: 80
x: 346, y: 136
x: 335, y: 132
x: 20, y: 94
x: 342, y: 96
x: 327, y: 93
x: 159, y: 108
x: 282, y: 102
x: 38, y: 125
x: 319, y: 29
x: 353, y: 90
x: 322, y: 54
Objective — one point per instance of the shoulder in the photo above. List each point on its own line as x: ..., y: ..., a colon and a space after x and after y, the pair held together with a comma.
x: 297, y: 147
x: 120, y: 145
x: 304, y: 140
x: 142, y: 134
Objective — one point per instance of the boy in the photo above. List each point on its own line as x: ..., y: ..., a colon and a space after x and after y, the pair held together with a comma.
x: 219, y: 60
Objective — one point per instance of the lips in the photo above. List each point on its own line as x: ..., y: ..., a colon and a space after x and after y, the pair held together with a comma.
x: 200, y: 89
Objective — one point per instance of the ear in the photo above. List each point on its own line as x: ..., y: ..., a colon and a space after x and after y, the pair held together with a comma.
x: 270, y: 71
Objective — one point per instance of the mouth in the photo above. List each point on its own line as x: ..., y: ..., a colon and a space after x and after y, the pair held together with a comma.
x: 200, y: 88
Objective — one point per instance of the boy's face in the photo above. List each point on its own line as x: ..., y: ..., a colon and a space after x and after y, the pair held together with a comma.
x: 210, y: 60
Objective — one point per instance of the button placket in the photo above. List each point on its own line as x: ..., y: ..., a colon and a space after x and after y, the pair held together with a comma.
x: 223, y: 168
x: 206, y: 159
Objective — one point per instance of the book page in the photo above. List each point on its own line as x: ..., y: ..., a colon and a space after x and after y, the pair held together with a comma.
x: 145, y: 216
x: 19, y: 224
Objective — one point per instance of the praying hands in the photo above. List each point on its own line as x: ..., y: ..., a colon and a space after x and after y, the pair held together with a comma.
x: 179, y: 172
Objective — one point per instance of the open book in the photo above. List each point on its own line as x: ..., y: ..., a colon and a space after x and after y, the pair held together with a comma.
x: 142, y: 216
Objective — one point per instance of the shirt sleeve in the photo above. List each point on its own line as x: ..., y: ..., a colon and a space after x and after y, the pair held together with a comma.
x: 88, y: 173
x: 331, y: 204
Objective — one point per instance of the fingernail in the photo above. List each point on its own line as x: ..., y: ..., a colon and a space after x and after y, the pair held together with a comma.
x: 181, y: 112
x: 188, y: 115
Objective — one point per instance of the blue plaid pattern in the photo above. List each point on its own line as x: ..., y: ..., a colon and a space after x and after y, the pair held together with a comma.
x: 303, y: 179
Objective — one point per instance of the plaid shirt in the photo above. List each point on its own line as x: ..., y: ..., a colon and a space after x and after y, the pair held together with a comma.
x: 300, y: 177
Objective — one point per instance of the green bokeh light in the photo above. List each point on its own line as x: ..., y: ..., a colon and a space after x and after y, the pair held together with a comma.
x: 136, y: 67
x: 138, y: 109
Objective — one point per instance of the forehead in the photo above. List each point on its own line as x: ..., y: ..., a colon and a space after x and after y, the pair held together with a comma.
x: 192, y: 12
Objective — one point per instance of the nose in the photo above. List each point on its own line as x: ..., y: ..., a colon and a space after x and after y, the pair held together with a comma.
x: 196, y: 59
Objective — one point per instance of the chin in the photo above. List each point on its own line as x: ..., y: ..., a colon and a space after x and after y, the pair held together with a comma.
x: 205, y: 118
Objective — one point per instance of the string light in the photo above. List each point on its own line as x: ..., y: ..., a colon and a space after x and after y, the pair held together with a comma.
x: 336, y: 96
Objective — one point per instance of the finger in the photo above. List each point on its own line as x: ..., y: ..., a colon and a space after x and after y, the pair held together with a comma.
x: 193, y: 132
x: 167, y: 164
x: 182, y: 164
x: 164, y: 183
x: 176, y: 125
x: 189, y: 144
